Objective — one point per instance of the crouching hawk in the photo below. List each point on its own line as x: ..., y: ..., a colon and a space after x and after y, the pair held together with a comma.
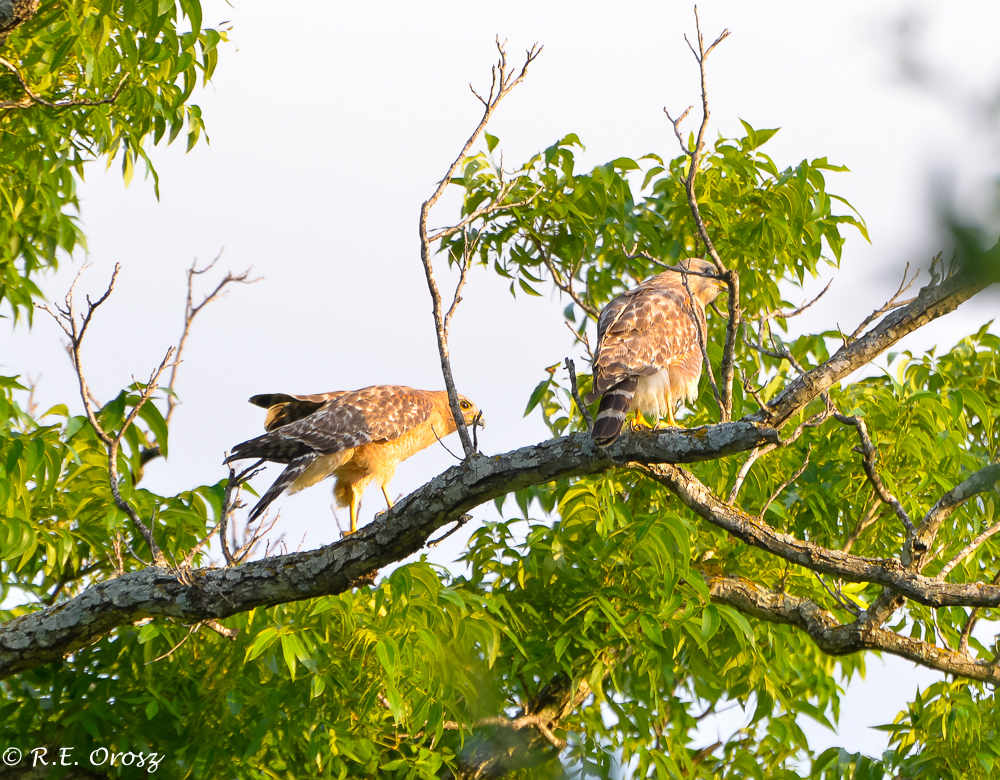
x: 356, y: 436
x: 648, y: 356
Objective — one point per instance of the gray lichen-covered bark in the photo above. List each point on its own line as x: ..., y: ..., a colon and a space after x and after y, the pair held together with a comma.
x: 497, y: 748
x: 212, y: 594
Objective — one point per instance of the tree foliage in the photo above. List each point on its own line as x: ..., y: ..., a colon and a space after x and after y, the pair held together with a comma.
x: 79, y: 81
x: 595, y: 625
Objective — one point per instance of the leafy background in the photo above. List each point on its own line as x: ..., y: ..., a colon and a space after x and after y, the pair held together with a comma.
x: 321, y: 199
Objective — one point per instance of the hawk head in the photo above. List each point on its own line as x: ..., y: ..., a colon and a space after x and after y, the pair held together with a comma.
x: 470, y: 411
x: 704, y: 288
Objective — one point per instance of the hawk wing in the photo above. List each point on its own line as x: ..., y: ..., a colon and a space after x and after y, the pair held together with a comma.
x: 641, y: 332
x: 283, y: 408
x: 345, y: 421
x: 342, y: 422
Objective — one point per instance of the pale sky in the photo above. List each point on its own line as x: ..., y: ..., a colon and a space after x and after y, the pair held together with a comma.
x: 331, y: 123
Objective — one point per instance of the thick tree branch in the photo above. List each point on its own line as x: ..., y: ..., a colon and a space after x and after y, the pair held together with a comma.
x: 48, y: 634
x: 214, y: 594
x: 916, y: 548
x: 933, y: 301
x: 888, y: 572
x: 835, y: 638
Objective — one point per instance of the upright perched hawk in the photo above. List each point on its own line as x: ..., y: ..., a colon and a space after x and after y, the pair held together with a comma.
x: 648, y: 356
x: 356, y: 436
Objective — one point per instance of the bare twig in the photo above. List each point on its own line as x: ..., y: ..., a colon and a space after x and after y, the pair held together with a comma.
x: 727, y: 368
x: 171, y: 651
x: 459, y: 522
x: 584, y: 411
x: 869, y: 517
x: 230, y: 502
x: 567, y: 285
x: 892, y: 303
x: 700, y: 326
x: 970, y: 548
x: 753, y: 391
x: 463, y: 266
x: 741, y: 475
x: 446, y: 448
x: 67, y: 319
x: 583, y: 339
x: 245, y: 549
x: 784, y: 315
x: 492, y: 208
x: 844, y: 604
x: 784, y: 485
x: 191, y: 311
x: 868, y: 454
x: 503, y: 82
x: 31, y: 97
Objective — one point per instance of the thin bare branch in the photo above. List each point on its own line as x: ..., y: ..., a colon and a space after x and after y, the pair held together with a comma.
x: 970, y: 548
x: 785, y: 484
x: 869, y: 517
x: 463, y: 266
x: 567, y: 285
x: 741, y: 475
x: 492, y: 208
x: 459, y: 522
x: 784, y: 315
x: 76, y: 328
x: 837, y: 596
x: 868, y: 454
x: 173, y: 649
x: 581, y: 337
x: 892, y: 303
x: 32, y: 98
x: 700, y: 327
x: 503, y: 82
x: 584, y: 411
x: 727, y: 369
x: 191, y: 311
x: 231, y: 502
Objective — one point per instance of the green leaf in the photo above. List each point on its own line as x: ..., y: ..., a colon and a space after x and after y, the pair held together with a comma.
x: 491, y: 141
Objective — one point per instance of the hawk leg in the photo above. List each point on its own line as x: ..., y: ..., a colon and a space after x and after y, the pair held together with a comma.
x: 355, y: 505
x: 388, y: 500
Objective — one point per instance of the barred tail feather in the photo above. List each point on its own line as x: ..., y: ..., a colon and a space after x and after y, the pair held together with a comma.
x: 292, y: 472
x: 612, y: 411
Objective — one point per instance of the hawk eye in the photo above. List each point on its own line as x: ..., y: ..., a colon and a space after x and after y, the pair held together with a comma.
x: 464, y: 404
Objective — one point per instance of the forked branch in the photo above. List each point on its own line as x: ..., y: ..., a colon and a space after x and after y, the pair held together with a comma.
x: 504, y: 81
x: 727, y: 369
x: 76, y: 328
x: 32, y: 98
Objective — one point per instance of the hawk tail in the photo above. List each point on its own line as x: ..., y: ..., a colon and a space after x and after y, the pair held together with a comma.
x: 292, y: 472
x: 611, y: 413
x: 270, y: 446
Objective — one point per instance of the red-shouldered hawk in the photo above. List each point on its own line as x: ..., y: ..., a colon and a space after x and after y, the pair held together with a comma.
x: 648, y: 356
x: 356, y: 436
